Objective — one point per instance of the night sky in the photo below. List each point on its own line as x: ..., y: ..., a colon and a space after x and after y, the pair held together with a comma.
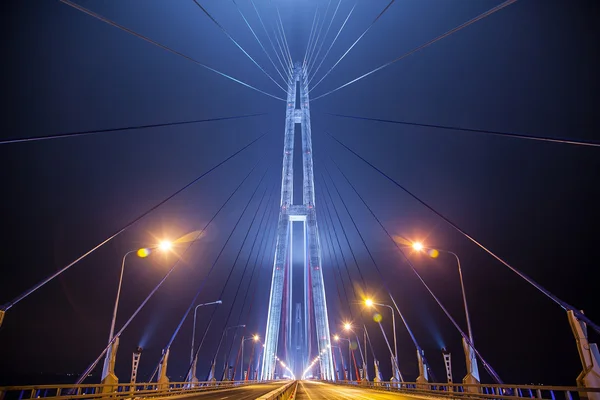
x: 529, y: 68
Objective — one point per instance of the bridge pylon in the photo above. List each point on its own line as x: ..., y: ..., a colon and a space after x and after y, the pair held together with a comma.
x: 298, y: 112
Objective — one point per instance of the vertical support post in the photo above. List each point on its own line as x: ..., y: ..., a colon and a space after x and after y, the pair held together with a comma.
x: 590, y: 358
x: 135, y: 362
x: 377, y: 380
x: 163, y: 379
x: 423, y: 377
x: 110, y: 378
x: 472, y: 377
x: 448, y: 365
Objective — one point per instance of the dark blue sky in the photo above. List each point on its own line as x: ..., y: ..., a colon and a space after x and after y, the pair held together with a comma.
x: 529, y: 68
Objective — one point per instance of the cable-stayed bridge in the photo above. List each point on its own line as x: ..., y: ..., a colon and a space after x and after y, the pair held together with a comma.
x: 332, y: 356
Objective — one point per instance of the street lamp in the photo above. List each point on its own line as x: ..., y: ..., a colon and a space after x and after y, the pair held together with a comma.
x: 369, y: 303
x: 419, y: 247
x: 472, y: 369
x: 193, y: 359
x: 337, y: 338
x: 348, y: 327
x: 255, y: 338
x: 219, y: 347
x: 108, y: 368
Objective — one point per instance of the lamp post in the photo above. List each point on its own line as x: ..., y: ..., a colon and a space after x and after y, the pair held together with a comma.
x: 255, y: 338
x: 108, y: 375
x: 193, y: 360
x: 369, y: 303
x: 341, y: 360
x: 337, y: 339
x: 212, y: 374
x: 194, y: 326
x: 419, y: 247
x: 472, y: 369
x: 348, y: 327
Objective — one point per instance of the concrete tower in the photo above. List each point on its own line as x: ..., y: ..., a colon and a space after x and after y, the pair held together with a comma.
x: 297, y: 113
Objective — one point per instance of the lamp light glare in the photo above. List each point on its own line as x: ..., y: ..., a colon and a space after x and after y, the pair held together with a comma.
x: 165, y: 245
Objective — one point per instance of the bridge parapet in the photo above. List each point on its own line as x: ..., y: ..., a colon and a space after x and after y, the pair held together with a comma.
x: 118, y: 391
x: 482, y: 391
x: 285, y: 392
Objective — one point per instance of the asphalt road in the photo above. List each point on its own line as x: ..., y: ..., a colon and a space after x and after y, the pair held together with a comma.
x: 249, y: 392
x: 309, y: 390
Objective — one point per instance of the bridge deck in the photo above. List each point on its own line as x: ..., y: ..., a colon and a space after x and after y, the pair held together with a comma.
x: 248, y: 392
x: 310, y: 390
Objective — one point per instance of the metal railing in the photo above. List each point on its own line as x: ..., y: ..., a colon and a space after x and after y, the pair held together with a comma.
x: 483, y: 391
x: 113, y: 391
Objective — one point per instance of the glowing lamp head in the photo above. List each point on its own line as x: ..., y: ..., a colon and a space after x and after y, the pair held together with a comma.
x: 165, y: 245
x: 143, y: 253
x: 255, y: 337
x: 336, y: 338
x: 369, y: 303
x: 417, y: 246
x: 347, y: 326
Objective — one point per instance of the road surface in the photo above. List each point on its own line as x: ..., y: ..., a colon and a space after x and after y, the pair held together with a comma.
x: 310, y: 390
x: 249, y: 392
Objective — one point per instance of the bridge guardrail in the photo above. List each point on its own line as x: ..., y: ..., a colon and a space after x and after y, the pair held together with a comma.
x: 112, y: 391
x: 283, y: 393
x: 484, y: 391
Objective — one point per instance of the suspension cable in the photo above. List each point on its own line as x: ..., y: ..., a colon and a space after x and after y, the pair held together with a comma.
x: 280, y: 45
x: 456, y: 128
x: 25, y: 294
x: 260, y: 43
x: 255, y: 264
x: 288, y: 73
x: 212, y: 267
x: 287, y: 47
x: 238, y: 45
x: 214, y: 311
x: 329, y: 214
x: 333, y: 256
x: 237, y: 290
x: 310, y: 58
x: 353, y: 44
x: 488, y: 367
x: 147, y: 39
x: 310, y: 37
x: 412, y: 336
x: 89, y: 369
x: 533, y: 283
x: 325, y: 36
x: 333, y: 42
x: 450, y: 32
x: 127, y: 128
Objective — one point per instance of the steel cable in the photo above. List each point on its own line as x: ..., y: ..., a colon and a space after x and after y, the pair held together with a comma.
x: 450, y: 32
x: 147, y: 39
